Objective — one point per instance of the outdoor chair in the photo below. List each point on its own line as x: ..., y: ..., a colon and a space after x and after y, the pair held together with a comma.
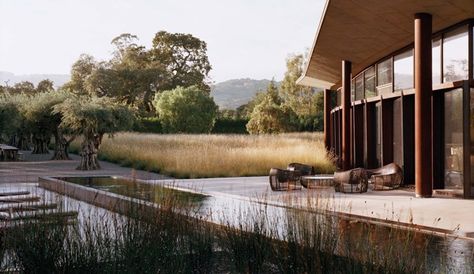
x: 304, y: 170
x: 351, y: 181
x: 283, y: 179
x: 387, y: 177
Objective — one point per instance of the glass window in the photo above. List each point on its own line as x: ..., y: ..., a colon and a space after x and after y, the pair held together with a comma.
x: 403, y: 70
x: 353, y: 90
x: 471, y: 122
x: 436, y: 61
x: 378, y: 134
x: 453, y: 139
x: 369, y: 82
x: 384, y: 72
x: 455, y: 55
x: 359, y: 87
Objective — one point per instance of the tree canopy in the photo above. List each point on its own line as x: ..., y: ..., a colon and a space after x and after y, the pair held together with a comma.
x: 269, y: 115
x: 299, y: 98
x: 135, y: 74
x: 10, y: 117
x: 186, y: 110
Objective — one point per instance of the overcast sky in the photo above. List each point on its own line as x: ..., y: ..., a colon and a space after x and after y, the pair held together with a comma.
x: 246, y: 38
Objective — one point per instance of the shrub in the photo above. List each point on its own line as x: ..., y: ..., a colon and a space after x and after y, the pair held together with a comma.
x: 186, y: 110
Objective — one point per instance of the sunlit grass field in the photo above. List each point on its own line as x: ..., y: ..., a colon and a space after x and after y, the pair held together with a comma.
x: 198, y: 156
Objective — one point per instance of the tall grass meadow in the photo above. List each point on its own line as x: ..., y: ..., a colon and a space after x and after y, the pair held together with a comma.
x: 197, y: 156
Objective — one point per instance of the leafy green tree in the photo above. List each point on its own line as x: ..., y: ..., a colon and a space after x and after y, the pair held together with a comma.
x: 92, y: 118
x: 10, y: 117
x: 24, y: 87
x: 186, y: 110
x: 45, y: 86
x: 44, y: 123
x: 81, y: 70
x: 270, y: 116
x: 15, y: 131
x: 135, y: 74
x: 185, y: 59
x: 299, y: 98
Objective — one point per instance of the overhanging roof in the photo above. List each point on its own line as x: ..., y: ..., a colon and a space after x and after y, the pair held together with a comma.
x: 364, y: 31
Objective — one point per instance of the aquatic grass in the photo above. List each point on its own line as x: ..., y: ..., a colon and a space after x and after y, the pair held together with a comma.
x: 197, y: 156
x: 258, y: 239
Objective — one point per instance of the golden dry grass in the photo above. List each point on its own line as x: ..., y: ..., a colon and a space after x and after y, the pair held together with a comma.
x: 195, y: 156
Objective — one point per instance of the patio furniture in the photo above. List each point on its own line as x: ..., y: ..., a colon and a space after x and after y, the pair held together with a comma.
x: 284, y: 180
x: 302, y: 168
x: 351, y: 181
x: 8, y: 153
x: 387, y: 177
x: 317, y: 181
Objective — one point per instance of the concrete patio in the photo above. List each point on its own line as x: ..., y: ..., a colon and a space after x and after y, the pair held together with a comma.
x: 447, y: 215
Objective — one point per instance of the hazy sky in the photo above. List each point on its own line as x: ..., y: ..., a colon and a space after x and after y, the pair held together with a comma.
x: 245, y: 38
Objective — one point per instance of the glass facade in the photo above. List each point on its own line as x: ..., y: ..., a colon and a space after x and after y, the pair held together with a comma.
x: 436, y: 61
x: 450, y: 63
x: 455, y: 55
x: 359, y: 87
x: 450, y: 56
x: 453, y: 139
x: 403, y: 70
x: 384, y: 72
x: 369, y: 82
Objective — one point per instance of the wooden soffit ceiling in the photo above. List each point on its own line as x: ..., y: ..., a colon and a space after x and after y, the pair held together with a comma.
x: 364, y: 31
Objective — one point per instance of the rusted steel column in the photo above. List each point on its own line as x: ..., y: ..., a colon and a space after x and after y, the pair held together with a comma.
x: 327, y: 122
x: 423, y: 90
x: 346, y: 118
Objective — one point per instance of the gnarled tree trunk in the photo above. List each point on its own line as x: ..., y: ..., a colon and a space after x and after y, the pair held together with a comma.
x: 61, y: 146
x: 40, y: 143
x: 21, y: 141
x: 89, y: 152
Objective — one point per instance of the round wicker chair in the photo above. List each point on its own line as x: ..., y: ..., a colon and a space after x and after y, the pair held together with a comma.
x: 351, y: 181
x: 387, y: 177
x: 283, y: 179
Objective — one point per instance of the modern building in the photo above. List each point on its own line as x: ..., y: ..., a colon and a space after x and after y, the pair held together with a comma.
x: 402, y: 72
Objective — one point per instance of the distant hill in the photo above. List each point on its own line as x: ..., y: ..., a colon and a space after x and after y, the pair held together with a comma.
x: 58, y: 79
x: 236, y: 92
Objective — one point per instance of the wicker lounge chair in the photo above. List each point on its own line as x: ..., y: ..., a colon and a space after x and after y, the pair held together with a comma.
x: 283, y: 179
x: 387, y: 177
x: 302, y: 168
x: 351, y: 181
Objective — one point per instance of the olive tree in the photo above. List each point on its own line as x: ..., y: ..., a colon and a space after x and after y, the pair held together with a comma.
x: 92, y: 118
x: 44, y: 122
x: 186, y: 110
x: 10, y: 117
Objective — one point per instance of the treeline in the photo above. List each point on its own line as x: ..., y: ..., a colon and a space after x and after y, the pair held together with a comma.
x: 163, y: 89
x: 168, y: 81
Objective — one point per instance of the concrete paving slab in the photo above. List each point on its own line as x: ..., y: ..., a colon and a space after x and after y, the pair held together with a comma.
x: 448, y: 214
